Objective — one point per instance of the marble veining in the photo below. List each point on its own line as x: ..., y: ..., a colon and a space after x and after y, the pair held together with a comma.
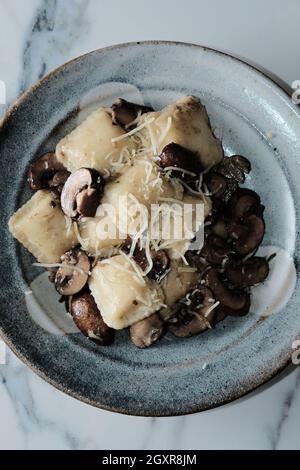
x: 33, y: 415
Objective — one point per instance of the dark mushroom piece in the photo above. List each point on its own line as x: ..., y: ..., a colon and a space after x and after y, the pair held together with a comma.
x: 147, y: 331
x: 236, y: 230
x: 59, y: 179
x: 215, y: 249
x: 195, y: 260
x: 82, y: 193
x: 88, y: 319
x: 175, y: 156
x: 42, y: 171
x: 231, y: 187
x: 248, y: 273
x: 216, y: 184
x: 244, y: 201
x: 233, y: 168
x: 161, y: 260
x: 194, y: 314
x: 72, y: 276
x: 161, y: 263
x: 253, y: 237
x: 124, y: 112
x: 233, y: 302
x: 242, y: 163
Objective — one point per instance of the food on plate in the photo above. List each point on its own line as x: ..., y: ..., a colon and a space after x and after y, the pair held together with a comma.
x: 117, y: 216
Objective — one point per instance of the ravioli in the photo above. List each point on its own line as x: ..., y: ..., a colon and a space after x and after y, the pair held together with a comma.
x: 122, y: 296
x: 41, y: 227
x: 187, y: 124
x: 90, y: 144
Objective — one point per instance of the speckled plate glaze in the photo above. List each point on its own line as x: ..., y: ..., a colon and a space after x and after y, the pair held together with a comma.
x: 255, y: 118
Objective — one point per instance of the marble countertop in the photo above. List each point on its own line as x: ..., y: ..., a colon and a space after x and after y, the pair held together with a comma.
x: 37, y: 36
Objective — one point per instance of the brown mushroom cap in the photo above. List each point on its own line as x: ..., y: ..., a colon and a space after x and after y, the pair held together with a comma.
x: 215, y: 249
x: 194, y: 313
x: 124, y: 112
x: 161, y: 260
x: 145, y: 332
x: 59, y: 179
x: 234, y: 168
x: 88, y: 319
x: 73, y: 275
x: 174, y: 155
x: 42, y: 171
x: 253, y: 238
x: 244, y: 201
x: 216, y: 184
x: 232, y: 301
x: 81, y: 193
x: 248, y: 273
x: 242, y: 163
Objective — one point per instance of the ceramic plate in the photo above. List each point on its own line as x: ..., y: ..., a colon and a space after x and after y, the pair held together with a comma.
x: 253, y: 117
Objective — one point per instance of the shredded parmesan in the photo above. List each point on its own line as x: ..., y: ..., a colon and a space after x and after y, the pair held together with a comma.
x: 136, y: 268
x: 68, y: 222
x: 79, y: 238
x: 210, y: 309
x: 134, y: 131
x: 170, y: 199
x: 164, y: 133
x: 187, y: 269
x: 179, y: 169
x: 61, y: 265
x: 152, y: 139
x: 191, y: 190
x: 135, y: 121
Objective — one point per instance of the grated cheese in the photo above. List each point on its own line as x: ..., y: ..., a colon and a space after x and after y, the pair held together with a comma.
x: 152, y: 139
x: 187, y: 269
x: 79, y: 238
x: 192, y: 191
x: 134, y: 131
x: 210, y: 309
x: 179, y: 169
x: 62, y: 265
x: 136, y: 268
x: 164, y: 133
x: 135, y: 121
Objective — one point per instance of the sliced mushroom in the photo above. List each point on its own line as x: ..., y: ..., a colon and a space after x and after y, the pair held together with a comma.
x: 72, y: 276
x: 231, y: 187
x: 175, y: 156
x: 215, y: 249
x: 242, y: 163
x: 42, y: 171
x: 252, y: 239
x: 216, y: 184
x: 232, y: 168
x: 161, y: 263
x: 145, y: 332
x: 59, y: 180
x: 81, y: 193
x: 194, y: 314
x: 88, y: 319
x: 243, y: 202
x: 233, y: 302
x: 124, y: 112
x: 161, y: 260
x: 248, y: 273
